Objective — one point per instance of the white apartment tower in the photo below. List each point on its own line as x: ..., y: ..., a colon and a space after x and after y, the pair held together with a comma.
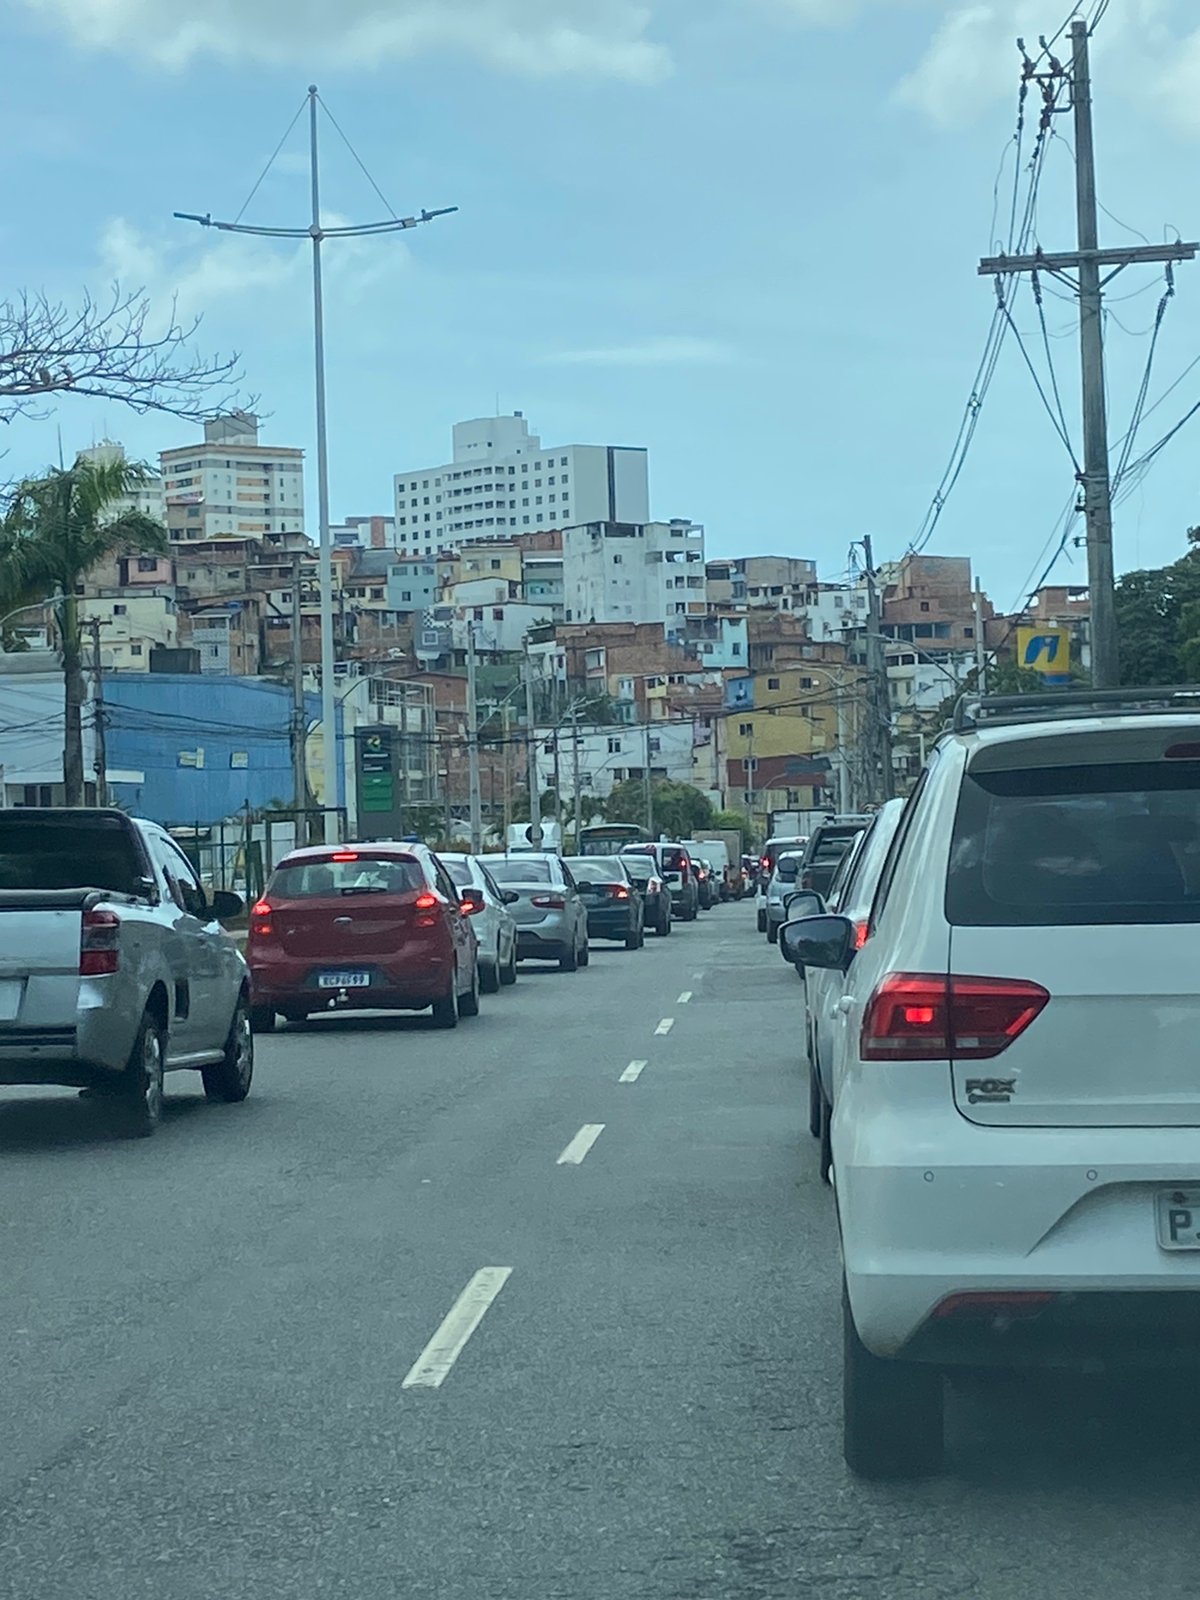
x: 233, y: 486
x: 503, y: 481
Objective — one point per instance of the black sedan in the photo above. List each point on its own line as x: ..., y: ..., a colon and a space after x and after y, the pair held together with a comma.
x: 613, y: 900
x: 653, y: 888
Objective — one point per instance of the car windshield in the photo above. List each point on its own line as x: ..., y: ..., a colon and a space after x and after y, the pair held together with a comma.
x: 593, y: 869
x: 521, y: 869
x: 460, y: 871
x: 351, y: 875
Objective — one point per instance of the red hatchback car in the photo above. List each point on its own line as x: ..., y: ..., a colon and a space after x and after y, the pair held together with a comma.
x: 368, y: 927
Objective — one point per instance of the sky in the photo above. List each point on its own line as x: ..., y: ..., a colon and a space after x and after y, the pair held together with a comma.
x: 741, y: 233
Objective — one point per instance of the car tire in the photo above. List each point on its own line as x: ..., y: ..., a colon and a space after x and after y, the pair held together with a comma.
x: 445, y: 1010
x: 633, y: 940
x: 569, y: 960
x: 292, y: 1015
x: 508, y: 974
x: 138, y: 1102
x: 585, y: 954
x: 468, y: 1004
x: 262, y: 1019
x: 825, y: 1149
x: 892, y: 1411
x: 815, y: 1099
x: 762, y: 922
x: 489, y: 975
x: 641, y: 944
x: 664, y: 926
x: 229, y: 1079
x: 772, y: 933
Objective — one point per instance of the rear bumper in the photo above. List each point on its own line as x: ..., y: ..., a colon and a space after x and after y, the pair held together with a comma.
x: 534, y: 944
x: 295, y: 984
x: 92, y: 1047
x: 933, y: 1207
x: 617, y: 924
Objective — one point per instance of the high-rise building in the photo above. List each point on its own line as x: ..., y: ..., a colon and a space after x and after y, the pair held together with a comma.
x: 145, y: 497
x: 233, y: 486
x: 503, y: 481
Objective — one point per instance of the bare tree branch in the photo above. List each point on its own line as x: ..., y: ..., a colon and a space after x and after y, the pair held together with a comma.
x: 109, y: 350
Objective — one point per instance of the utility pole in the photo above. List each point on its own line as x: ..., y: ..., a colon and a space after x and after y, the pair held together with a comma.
x: 843, y: 776
x: 649, y: 781
x: 1087, y: 260
x: 575, y: 772
x: 750, y: 777
x: 506, y: 793
x: 531, y: 766
x: 317, y: 234
x: 881, y: 778
x: 100, y: 764
x: 299, y: 712
x: 476, y: 798
x: 980, y: 647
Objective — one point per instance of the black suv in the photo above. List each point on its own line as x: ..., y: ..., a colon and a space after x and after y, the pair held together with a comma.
x: 825, y: 849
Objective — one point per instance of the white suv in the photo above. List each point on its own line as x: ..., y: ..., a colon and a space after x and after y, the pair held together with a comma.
x: 1016, y: 1062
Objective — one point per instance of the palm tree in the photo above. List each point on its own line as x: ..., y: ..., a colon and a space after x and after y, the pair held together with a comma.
x: 53, y: 533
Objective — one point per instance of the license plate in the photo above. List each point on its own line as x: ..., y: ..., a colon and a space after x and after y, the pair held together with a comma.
x: 11, y: 990
x: 1178, y: 1215
x: 344, y: 980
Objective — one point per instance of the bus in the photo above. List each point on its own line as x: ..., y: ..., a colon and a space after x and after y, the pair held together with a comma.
x: 610, y: 838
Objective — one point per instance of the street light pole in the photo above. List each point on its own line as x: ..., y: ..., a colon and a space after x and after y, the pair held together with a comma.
x: 317, y: 235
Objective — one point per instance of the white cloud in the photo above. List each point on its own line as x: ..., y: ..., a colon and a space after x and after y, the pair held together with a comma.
x: 536, y: 38
x: 666, y: 350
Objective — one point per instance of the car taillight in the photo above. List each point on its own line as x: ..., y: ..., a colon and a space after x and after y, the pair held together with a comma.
x: 917, y: 1016
x: 765, y: 863
x: 548, y: 902
x: 683, y: 872
x: 861, y: 930
x: 98, y: 952
x: 344, y: 855
x: 620, y: 892
x: 995, y: 1303
x: 427, y: 905
x: 260, y: 920
x: 425, y: 902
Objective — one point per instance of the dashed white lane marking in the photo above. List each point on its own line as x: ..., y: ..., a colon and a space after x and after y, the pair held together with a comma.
x: 697, y: 977
x: 684, y: 998
x: 633, y: 1072
x: 434, y: 1363
x: 580, y: 1144
x: 665, y: 1025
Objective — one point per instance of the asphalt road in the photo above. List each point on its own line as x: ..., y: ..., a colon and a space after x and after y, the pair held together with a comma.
x: 221, y: 1376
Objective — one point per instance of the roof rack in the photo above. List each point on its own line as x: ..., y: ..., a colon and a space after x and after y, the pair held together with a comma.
x: 975, y: 710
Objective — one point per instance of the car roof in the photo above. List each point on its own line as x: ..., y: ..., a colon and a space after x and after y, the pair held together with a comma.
x: 322, y: 852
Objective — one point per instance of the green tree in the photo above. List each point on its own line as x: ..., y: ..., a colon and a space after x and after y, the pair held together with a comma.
x: 53, y: 532
x: 679, y: 808
x: 735, y: 819
x: 1158, y: 621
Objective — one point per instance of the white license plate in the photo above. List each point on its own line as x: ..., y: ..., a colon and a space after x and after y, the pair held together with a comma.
x: 11, y: 990
x: 1178, y: 1216
x: 344, y: 980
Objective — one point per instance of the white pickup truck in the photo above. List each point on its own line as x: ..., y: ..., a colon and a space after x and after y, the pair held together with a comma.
x: 114, y: 968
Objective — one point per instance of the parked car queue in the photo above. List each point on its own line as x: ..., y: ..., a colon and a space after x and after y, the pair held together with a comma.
x: 393, y: 926
x: 1001, y: 1008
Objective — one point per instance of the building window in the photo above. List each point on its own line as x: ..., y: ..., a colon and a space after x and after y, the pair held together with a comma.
x: 968, y: 633
x: 477, y: 613
x: 135, y: 649
x: 549, y: 483
x: 614, y: 746
x: 147, y: 564
x: 120, y: 611
x: 562, y: 461
x: 746, y: 729
x: 735, y: 649
x: 495, y: 566
x: 406, y: 594
x: 924, y: 605
x: 772, y: 683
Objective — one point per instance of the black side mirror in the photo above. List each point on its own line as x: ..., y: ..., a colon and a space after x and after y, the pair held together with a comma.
x: 509, y: 896
x: 826, y: 942
x: 226, y: 905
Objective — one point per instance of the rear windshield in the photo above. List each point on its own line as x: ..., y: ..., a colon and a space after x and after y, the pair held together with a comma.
x: 832, y: 846
x: 1080, y: 845
x: 460, y: 872
x: 77, y: 853
x: 306, y: 880
x: 592, y: 870
x: 519, y: 870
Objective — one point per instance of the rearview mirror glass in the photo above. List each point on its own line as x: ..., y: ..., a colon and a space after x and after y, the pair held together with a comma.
x: 826, y: 942
x: 226, y: 905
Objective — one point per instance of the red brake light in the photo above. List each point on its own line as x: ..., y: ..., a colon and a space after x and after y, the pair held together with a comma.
x: 344, y: 855
x: 620, y: 892
x: 98, y: 936
x: 915, y: 1016
x: 426, y: 901
x: 861, y: 931
x: 260, y: 920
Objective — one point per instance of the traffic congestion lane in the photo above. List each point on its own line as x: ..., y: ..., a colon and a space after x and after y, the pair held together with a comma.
x: 645, y: 1406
